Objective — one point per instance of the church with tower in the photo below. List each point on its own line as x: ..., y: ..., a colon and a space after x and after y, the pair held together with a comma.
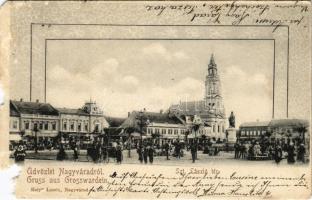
x: 211, y: 108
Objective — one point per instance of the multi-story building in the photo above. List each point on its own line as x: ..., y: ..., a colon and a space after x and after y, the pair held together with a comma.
x: 166, y: 127
x: 82, y: 121
x: 160, y: 125
x: 211, y: 109
x: 42, y: 120
x: 33, y: 118
x: 275, y: 129
x: 253, y: 130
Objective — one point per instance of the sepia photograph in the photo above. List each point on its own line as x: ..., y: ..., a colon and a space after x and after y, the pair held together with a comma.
x: 163, y: 102
x: 155, y: 100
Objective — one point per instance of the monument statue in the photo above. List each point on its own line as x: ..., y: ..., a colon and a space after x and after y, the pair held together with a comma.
x: 232, y: 120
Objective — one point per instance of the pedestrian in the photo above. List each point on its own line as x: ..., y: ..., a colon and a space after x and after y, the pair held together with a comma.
x: 151, y: 154
x: 257, y: 149
x: 145, y: 153
x: 240, y: 148
x: 140, y: 153
x: 301, y: 152
x: 193, y: 152
x: 251, y: 152
x: 97, y: 152
x: 118, y: 153
x: 291, y: 153
x: 278, y: 153
x: 236, y: 149
x: 242, y: 151
x: 61, y: 155
x: 270, y: 150
x: 104, y: 153
x: 20, y: 152
x: 177, y: 150
x: 167, y: 150
x: 75, y: 148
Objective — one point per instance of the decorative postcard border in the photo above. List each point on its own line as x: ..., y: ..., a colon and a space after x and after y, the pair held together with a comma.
x: 140, y: 25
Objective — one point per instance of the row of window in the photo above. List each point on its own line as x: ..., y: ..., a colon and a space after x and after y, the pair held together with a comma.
x: 175, y: 131
x: 71, y: 126
x: 40, y: 125
x: 52, y: 126
x: 169, y: 131
x: 253, y: 132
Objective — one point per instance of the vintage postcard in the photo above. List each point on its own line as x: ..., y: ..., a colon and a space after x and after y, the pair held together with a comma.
x: 157, y: 99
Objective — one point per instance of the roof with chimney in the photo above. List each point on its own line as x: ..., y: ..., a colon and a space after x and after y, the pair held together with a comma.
x: 150, y: 117
x: 13, y: 110
x: 22, y: 107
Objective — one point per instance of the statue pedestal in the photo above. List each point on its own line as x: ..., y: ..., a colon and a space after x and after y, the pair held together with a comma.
x: 231, y: 135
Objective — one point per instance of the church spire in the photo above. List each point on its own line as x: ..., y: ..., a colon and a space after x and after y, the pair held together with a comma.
x: 212, y: 67
x: 212, y: 62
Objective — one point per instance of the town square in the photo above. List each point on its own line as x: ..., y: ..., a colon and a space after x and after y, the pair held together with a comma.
x: 185, y: 133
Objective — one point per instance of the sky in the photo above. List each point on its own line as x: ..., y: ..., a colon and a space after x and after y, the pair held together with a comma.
x: 122, y: 76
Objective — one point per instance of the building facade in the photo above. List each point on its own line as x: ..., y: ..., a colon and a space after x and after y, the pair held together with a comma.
x: 275, y: 129
x: 163, y: 126
x: 168, y: 128
x: 30, y: 119
x: 211, y: 109
x: 35, y: 119
x: 88, y: 119
x: 253, y: 130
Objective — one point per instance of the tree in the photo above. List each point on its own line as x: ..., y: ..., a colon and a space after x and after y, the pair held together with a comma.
x: 195, y: 126
x: 142, y: 121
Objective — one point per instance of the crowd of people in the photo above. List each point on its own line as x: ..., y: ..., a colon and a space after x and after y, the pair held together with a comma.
x: 146, y: 151
x: 100, y: 151
x: 277, y: 150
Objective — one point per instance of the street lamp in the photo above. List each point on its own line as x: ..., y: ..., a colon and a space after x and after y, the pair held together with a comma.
x: 196, y: 125
x: 129, y: 131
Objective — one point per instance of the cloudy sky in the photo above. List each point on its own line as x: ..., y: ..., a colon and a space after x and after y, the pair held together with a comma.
x: 131, y: 75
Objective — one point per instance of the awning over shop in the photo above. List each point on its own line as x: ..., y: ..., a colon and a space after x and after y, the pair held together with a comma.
x: 15, y: 137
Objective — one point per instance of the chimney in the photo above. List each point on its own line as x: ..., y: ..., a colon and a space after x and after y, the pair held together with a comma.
x: 37, y: 100
x: 128, y: 114
x: 21, y: 100
x: 161, y: 111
